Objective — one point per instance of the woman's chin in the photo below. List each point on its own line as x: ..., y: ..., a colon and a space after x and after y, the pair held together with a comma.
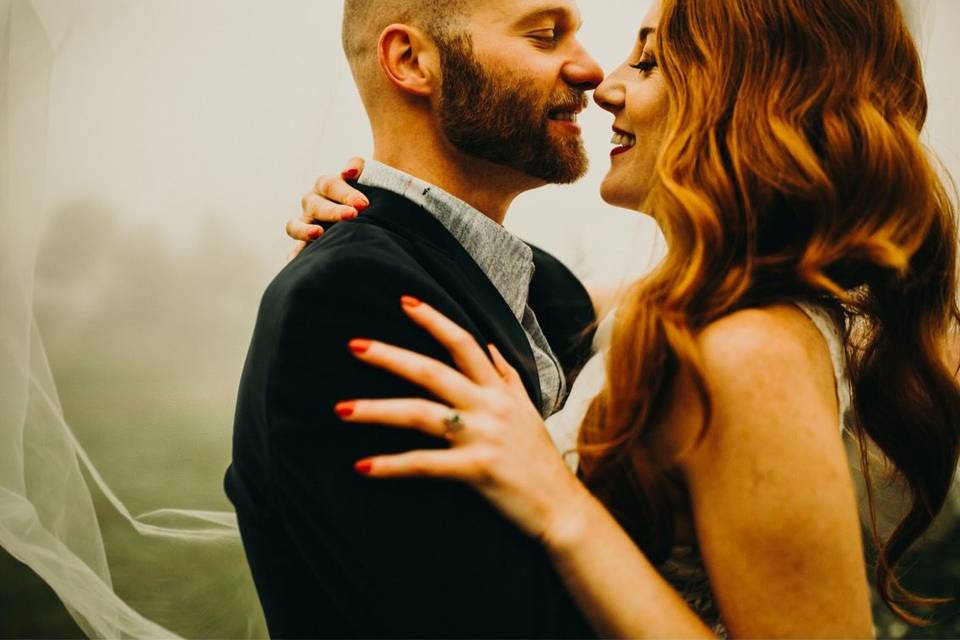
x: 619, y: 195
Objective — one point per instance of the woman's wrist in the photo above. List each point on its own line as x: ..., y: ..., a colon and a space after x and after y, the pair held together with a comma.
x: 570, y: 522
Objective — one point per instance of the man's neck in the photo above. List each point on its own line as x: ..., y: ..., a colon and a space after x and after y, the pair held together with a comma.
x: 485, y: 186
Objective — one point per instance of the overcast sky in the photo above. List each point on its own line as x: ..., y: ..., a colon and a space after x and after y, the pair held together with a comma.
x: 179, y: 112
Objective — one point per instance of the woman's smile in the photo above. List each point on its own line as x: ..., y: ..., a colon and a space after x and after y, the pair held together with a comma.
x: 624, y: 141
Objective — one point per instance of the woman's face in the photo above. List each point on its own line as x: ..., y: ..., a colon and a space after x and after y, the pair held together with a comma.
x: 635, y: 94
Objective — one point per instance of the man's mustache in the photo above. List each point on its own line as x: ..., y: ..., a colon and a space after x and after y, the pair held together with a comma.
x: 576, y: 100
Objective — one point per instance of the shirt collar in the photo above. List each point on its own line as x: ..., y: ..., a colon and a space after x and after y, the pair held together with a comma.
x: 505, y: 259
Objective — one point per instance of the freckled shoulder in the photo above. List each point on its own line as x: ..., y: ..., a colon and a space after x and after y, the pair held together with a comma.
x: 766, y: 361
x: 764, y: 345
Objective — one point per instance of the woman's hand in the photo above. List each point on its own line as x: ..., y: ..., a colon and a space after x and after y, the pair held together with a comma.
x: 498, y: 442
x: 331, y: 200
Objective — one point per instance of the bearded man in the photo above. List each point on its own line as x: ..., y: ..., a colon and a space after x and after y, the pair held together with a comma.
x: 471, y: 103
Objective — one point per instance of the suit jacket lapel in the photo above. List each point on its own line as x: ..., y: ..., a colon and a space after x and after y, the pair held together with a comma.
x: 486, y: 307
x: 461, y: 276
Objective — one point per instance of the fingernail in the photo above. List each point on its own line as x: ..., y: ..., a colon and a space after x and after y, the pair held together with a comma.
x: 360, y: 346
x: 350, y: 174
x: 364, y: 467
x: 410, y: 302
x: 346, y: 409
x: 315, y: 233
x: 350, y: 215
x: 360, y: 205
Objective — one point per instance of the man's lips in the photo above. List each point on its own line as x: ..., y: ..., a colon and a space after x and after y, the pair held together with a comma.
x: 568, y: 112
x: 569, y: 126
x: 565, y: 117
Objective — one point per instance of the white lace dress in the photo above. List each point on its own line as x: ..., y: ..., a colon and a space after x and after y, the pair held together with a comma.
x: 684, y: 567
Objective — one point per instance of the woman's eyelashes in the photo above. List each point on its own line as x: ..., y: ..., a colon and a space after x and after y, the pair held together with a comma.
x: 646, y: 64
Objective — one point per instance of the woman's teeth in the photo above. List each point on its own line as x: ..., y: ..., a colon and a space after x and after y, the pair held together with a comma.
x: 623, y: 140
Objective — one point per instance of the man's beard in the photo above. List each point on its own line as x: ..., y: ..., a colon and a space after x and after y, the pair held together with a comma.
x: 503, y: 121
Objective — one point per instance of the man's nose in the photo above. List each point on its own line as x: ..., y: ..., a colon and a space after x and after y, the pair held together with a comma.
x: 583, y: 71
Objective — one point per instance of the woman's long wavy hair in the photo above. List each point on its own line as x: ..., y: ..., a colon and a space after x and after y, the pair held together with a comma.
x: 792, y: 170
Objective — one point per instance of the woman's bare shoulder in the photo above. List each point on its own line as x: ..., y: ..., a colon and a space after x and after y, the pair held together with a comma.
x: 766, y: 347
x: 766, y: 362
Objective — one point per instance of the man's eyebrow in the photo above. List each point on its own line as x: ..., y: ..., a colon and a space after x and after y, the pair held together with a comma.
x: 559, y: 14
x: 645, y: 33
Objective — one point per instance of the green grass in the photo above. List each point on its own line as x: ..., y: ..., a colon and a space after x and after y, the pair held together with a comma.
x: 154, y: 453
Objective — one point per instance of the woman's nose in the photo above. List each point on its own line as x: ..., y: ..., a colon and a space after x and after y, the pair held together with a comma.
x: 610, y: 94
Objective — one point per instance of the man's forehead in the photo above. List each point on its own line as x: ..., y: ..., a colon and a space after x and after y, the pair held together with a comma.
x: 518, y: 12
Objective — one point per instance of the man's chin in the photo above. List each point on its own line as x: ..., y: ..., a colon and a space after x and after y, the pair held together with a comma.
x: 556, y: 162
x: 569, y: 166
x: 540, y: 176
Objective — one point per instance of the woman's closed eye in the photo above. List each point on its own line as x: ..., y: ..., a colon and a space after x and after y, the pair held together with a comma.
x: 646, y: 64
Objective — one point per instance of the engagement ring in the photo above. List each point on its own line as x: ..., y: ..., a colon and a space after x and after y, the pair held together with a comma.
x: 453, y: 422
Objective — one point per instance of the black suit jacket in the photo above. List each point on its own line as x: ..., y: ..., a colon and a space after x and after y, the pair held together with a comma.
x: 336, y: 554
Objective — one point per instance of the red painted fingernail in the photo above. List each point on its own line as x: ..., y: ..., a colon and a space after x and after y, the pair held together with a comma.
x: 315, y: 233
x: 360, y: 346
x: 350, y: 174
x: 364, y: 467
x: 350, y: 215
x: 361, y: 205
x: 410, y: 302
x: 346, y: 409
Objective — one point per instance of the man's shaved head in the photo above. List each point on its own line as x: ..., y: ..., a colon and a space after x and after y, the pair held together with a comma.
x: 365, y: 20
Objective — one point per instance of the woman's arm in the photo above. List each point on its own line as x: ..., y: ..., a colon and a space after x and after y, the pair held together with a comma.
x: 771, y: 492
x: 616, y: 587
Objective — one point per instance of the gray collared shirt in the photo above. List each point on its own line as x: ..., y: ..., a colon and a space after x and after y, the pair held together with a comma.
x: 505, y: 259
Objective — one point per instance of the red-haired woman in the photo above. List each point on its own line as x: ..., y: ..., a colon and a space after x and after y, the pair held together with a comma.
x: 809, y: 286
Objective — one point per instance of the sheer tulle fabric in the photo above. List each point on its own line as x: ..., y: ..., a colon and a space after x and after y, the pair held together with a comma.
x: 48, y: 518
x: 113, y: 569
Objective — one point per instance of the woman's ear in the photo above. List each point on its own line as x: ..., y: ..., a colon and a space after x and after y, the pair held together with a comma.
x: 409, y: 59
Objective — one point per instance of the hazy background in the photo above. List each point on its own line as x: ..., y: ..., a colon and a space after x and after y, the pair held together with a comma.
x: 182, y: 134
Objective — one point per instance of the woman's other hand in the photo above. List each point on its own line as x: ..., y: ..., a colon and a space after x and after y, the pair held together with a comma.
x: 499, y: 444
x: 331, y: 200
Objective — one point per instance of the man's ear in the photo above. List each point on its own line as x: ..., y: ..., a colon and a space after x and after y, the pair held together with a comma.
x: 409, y: 59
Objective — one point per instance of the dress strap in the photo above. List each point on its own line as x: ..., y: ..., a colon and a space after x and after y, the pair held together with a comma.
x: 834, y: 337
